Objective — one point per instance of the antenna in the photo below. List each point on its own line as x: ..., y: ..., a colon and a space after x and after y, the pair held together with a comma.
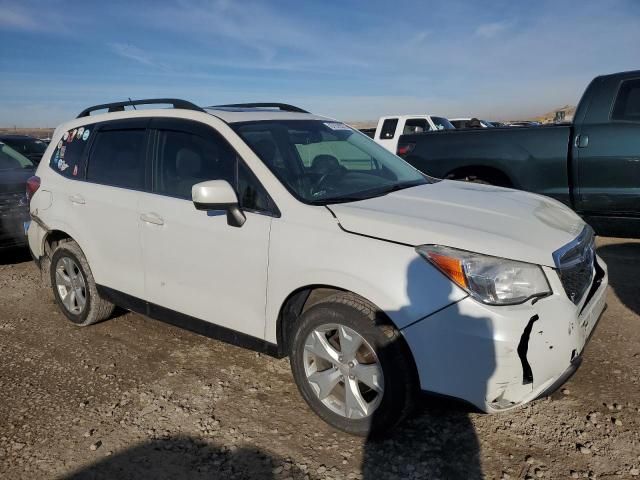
x: 132, y: 104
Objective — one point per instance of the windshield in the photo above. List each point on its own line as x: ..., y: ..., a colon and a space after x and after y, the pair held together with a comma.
x: 323, y: 162
x: 442, y: 123
x: 11, y: 160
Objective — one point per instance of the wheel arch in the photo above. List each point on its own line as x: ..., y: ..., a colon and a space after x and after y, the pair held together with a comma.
x: 299, y: 301
x: 493, y: 175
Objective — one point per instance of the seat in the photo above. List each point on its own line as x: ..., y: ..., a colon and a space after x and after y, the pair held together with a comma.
x: 323, y: 164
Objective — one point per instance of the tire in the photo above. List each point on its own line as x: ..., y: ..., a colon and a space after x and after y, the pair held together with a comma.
x: 392, y: 357
x: 69, y: 257
x: 481, y: 181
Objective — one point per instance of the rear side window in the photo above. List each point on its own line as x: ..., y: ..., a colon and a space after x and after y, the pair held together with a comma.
x: 117, y: 158
x: 627, y: 106
x: 68, y: 159
x: 388, y: 128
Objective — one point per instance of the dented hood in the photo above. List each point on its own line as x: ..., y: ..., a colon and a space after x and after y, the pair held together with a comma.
x: 479, y: 218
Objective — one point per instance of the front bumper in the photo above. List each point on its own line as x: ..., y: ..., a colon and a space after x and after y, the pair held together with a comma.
x: 500, y: 357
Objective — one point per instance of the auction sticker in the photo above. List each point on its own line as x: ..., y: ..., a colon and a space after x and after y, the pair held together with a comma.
x: 336, y: 126
x: 85, y: 135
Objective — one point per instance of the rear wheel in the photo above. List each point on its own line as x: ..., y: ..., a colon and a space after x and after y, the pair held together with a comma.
x: 352, y: 367
x: 74, y: 287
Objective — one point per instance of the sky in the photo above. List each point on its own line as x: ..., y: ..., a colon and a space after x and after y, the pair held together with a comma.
x: 348, y: 59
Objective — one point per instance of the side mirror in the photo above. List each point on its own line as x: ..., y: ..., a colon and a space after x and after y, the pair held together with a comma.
x: 218, y: 195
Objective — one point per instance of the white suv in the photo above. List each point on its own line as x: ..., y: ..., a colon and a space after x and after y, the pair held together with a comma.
x: 292, y: 234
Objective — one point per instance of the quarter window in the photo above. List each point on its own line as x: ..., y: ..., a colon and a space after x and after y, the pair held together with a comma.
x: 627, y: 106
x: 117, y: 158
x: 68, y: 159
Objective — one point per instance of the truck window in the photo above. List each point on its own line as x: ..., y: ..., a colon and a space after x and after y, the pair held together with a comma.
x: 388, y: 128
x: 442, y: 123
x: 627, y: 106
x: 415, y: 125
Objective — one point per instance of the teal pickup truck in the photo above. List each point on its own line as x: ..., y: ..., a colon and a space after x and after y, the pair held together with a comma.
x: 592, y: 165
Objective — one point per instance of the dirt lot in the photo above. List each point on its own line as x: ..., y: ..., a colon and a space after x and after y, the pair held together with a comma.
x: 135, y: 398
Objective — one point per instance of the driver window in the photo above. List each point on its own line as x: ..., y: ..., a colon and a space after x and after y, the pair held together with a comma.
x: 184, y: 159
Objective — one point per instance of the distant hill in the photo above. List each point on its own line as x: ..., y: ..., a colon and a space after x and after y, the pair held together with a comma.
x: 32, y: 132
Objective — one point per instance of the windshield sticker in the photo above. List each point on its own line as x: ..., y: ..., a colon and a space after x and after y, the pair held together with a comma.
x: 79, y: 134
x: 336, y: 126
x: 59, y: 143
x: 85, y: 135
x: 62, y: 150
x: 65, y: 136
x: 72, y: 135
x: 62, y: 165
x: 75, y: 170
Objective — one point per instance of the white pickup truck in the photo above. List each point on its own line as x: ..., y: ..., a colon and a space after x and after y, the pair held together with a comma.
x: 390, y: 128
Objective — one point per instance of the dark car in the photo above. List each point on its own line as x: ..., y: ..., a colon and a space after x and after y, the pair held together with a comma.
x: 592, y: 164
x: 30, y: 147
x: 15, y: 170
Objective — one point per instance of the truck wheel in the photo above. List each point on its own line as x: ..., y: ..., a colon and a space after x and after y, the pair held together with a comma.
x: 352, y: 367
x: 473, y: 179
x: 74, y: 288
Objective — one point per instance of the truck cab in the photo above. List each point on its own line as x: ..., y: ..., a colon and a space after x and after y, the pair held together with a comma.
x: 389, y: 129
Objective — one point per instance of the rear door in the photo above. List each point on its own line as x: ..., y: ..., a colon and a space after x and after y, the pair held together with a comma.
x: 195, y: 263
x: 607, y: 150
x: 104, y: 207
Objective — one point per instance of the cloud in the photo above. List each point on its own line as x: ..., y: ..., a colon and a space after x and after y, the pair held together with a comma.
x: 34, y: 17
x: 490, y: 30
x: 131, y: 52
x: 16, y: 19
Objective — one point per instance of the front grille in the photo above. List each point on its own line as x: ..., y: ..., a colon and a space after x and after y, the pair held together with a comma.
x: 575, y: 263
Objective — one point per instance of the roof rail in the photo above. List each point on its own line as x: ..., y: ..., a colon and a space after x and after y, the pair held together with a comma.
x: 282, y: 106
x: 119, y: 106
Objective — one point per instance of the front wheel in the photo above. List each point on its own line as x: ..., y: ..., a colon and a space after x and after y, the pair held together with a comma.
x: 352, y: 367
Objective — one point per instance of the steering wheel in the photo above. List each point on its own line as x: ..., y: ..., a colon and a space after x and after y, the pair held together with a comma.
x: 341, y: 171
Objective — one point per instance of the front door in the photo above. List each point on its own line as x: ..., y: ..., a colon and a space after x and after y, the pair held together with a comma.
x: 608, y: 158
x: 195, y: 263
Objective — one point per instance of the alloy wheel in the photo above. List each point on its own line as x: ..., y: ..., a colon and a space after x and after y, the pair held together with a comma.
x: 71, y: 285
x: 343, y: 370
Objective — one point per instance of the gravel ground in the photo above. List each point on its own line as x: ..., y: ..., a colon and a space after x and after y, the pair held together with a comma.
x: 135, y: 398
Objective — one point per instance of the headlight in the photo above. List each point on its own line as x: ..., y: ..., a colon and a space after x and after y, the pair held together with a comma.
x: 492, y: 280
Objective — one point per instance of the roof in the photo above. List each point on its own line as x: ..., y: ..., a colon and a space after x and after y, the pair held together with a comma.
x: 235, y: 115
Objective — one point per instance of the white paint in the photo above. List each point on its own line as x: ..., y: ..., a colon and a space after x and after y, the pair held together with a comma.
x: 165, y: 251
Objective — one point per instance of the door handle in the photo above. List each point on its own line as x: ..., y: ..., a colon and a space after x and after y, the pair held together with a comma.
x: 77, y: 199
x: 582, y: 141
x: 152, y: 218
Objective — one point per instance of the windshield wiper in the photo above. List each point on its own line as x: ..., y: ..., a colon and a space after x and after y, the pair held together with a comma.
x: 378, y: 192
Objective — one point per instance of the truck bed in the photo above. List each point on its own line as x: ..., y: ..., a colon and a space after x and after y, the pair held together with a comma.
x: 532, y: 158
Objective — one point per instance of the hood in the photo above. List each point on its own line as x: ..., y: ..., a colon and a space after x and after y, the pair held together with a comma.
x: 479, y: 218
